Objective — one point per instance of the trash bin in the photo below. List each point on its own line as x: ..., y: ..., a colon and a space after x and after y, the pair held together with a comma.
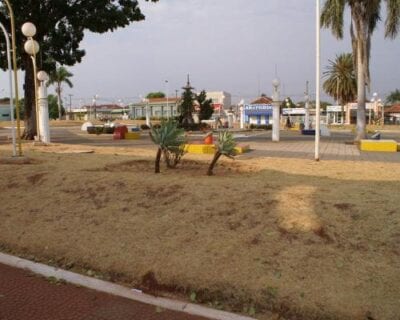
x: 119, y: 132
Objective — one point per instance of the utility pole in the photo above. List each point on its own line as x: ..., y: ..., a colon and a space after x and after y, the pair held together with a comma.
x: 307, y: 108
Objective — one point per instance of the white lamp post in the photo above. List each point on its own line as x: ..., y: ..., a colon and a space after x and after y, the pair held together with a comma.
x: 43, y: 107
x: 32, y: 48
x: 10, y: 90
x: 275, y: 111
x: 94, y: 115
x: 317, y: 82
x: 15, y: 70
x: 146, y: 101
x: 241, y: 110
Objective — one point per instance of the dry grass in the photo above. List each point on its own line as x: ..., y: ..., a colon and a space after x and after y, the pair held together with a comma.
x: 315, y: 240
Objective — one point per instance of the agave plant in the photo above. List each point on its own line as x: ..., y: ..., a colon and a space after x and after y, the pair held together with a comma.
x: 170, y: 140
x: 225, y: 146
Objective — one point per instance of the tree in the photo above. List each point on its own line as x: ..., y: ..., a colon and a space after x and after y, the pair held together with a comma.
x: 393, y: 97
x: 206, y: 108
x: 288, y: 103
x: 365, y: 14
x: 53, y: 107
x: 153, y: 95
x: 58, y: 77
x: 61, y: 25
x: 224, y: 147
x: 169, y: 139
x: 186, y: 108
x: 341, y: 83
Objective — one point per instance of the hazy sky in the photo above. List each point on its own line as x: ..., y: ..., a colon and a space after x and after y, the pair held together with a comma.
x: 230, y: 45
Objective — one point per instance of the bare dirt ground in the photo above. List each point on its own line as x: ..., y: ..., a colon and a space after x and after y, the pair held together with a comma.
x: 304, y: 239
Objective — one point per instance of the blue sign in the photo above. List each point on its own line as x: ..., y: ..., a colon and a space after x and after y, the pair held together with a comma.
x: 258, y: 109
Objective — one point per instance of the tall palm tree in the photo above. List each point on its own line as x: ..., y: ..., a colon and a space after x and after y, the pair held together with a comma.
x: 58, y: 77
x: 340, y: 80
x: 365, y: 14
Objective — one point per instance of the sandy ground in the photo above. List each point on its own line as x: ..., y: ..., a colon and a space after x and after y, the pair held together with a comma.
x: 315, y: 240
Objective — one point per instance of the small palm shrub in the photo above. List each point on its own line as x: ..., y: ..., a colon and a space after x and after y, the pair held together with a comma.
x: 225, y: 146
x: 170, y: 140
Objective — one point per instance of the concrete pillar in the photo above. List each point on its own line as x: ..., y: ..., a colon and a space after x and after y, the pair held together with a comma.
x: 275, y: 111
x: 44, y: 127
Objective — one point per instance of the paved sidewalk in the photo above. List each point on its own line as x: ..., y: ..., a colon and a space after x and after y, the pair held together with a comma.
x: 25, y: 296
x: 294, y: 145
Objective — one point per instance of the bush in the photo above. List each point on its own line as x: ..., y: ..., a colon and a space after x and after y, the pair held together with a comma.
x: 144, y: 127
x: 91, y: 130
x: 156, y: 126
x: 261, y: 126
x: 108, y: 130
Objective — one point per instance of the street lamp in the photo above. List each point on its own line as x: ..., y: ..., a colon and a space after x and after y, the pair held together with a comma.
x: 95, y: 97
x: 146, y: 101
x: 32, y: 48
x: 11, y: 88
x: 289, y: 122
x: 43, y: 115
x: 317, y: 82
x: 275, y: 111
x: 15, y: 69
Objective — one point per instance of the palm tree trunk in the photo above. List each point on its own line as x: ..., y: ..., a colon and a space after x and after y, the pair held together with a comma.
x: 361, y: 119
x: 59, y: 101
x: 157, y: 163
x: 29, y: 101
x: 217, y: 155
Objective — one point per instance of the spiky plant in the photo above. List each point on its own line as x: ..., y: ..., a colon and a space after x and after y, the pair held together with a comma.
x: 170, y: 140
x: 225, y: 146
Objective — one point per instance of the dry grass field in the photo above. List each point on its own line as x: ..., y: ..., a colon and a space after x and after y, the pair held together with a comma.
x: 303, y: 239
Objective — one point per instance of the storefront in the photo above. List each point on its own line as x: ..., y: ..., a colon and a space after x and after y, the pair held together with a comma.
x: 258, y: 114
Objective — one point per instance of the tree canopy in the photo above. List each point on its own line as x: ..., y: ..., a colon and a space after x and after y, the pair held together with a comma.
x: 393, y: 97
x: 153, y: 95
x: 365, y: 15
x: 340, y: 79
x: 61, y: 25
x: 206, y: 108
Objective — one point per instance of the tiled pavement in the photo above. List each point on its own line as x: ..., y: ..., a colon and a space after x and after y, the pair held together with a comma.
x: 25, y: 296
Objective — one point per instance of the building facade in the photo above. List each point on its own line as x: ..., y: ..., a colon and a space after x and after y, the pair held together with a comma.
x: 258, y: 112
x: 5, y: 113
x: 158, y: 108
x: 221, y: 101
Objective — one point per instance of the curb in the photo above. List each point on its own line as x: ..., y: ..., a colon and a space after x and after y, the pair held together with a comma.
x: 117, y: 290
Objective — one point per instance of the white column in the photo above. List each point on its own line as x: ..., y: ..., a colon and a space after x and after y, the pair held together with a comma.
x: 147, y: 113
x: 275, y: 111
x: 317, y: 82
x: 241, y: 117
x: 43, y: 113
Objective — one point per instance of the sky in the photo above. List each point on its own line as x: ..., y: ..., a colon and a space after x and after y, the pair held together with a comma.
x: 238, y: 46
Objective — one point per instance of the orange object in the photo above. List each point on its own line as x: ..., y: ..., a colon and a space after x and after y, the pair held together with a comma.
x: 208, y: 139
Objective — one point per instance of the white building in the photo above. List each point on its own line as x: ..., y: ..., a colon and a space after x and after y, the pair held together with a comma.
x: 221, y: 101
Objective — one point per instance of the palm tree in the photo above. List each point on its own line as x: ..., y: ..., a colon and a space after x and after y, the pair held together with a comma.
x: 58, y: 77
x: 365, y: 14
x: 340, y: 80
x: 170, y: 140
x: 225, y: 146
x: 393, y: 97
